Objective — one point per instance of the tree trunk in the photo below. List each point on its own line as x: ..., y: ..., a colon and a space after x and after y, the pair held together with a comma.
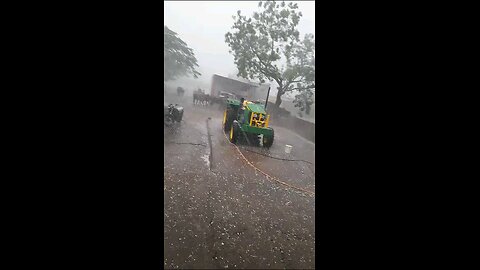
x: 278, y: 101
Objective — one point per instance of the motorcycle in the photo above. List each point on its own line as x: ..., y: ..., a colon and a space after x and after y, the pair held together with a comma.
x: 171, y: 114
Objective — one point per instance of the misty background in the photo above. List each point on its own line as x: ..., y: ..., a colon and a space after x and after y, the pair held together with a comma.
x: 203, y: 25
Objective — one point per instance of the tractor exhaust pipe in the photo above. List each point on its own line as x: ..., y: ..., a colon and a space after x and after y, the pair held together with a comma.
x: 266, y: 101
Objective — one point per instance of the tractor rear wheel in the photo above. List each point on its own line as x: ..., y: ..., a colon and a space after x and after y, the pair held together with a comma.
x: 233, y: 134
x: 268, y: 140
x: 227, y: 120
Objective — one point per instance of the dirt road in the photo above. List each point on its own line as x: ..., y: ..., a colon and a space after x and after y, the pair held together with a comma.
x: 219, y: 212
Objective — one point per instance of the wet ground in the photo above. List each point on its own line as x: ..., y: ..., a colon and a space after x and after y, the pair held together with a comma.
x: 219, y: 212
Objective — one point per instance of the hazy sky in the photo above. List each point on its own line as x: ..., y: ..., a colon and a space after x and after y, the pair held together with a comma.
x: 203, y: 25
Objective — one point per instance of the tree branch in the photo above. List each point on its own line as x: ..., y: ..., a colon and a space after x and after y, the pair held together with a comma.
x: 266, y: 70
x: 302, y: 88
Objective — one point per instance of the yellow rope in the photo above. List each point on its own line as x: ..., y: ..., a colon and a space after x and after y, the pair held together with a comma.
x: 269, y: 177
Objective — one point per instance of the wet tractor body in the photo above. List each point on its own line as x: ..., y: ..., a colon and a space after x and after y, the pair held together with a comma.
x: 247, y: 122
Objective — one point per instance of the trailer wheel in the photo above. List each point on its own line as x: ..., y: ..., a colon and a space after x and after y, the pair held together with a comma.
x: 268, y: 140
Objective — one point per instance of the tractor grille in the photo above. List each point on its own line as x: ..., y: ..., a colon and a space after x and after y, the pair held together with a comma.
x: 258, y: 120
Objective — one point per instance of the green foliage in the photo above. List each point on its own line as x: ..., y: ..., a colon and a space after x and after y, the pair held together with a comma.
x: 304, y: 101
x: 178, y: 59
x: 260, y: 42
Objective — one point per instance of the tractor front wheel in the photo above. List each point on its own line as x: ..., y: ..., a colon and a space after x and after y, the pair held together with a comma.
x: 268, y: 140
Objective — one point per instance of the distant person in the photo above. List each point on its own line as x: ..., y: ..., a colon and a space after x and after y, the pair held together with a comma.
x: 240, y: 110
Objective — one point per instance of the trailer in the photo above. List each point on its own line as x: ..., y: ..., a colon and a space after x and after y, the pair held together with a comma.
x: 246, y: 90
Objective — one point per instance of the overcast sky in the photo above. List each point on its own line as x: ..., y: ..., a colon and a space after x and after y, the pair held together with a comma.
x: 203, y: 25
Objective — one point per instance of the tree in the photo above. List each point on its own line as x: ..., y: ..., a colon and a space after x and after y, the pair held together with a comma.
x: 261, y: 43
x: 304, y: 101
x: 178, y: 59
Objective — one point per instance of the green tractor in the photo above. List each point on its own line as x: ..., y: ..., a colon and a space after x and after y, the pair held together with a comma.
x: 247, y: 121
